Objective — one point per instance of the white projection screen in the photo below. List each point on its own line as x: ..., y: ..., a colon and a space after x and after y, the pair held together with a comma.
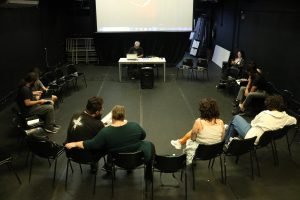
x: 144, y: 15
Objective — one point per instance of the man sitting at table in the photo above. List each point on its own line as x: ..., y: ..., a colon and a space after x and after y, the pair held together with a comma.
x: 133, y: 70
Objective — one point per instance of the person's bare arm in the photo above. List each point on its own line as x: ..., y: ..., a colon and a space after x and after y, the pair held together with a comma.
x: 196, y: 129
x: 71, y: 145
x: 29, y: 102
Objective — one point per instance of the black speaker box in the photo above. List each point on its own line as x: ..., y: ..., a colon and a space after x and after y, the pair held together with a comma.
x: 147, y: 78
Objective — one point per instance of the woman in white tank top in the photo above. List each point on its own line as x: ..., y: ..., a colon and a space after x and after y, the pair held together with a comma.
x: 208, y: 129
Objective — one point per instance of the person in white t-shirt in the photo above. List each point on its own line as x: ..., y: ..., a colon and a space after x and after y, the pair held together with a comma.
x: 273, y: 118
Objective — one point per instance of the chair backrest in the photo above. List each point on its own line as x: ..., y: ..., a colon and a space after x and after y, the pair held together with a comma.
x: 169, y: 164
x: 128, y: 161
x: 202, y: 62
x: 188, y: 62
x: 207, y: 152
x: 71, y: 69
x: 48, y: 77
x: 265, y: 139
x: 81, y: 156
x: 282, y: 132
x: 59, y: 73
x: 240, y: 147
x: 43, y: 147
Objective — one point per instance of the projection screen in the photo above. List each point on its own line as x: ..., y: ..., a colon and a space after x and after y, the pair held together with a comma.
x: 144, y: 15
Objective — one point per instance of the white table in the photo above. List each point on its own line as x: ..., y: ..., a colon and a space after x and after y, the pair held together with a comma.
x: 154, y: 60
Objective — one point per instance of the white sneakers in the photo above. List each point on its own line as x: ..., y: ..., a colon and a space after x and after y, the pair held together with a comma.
x: 226, y: 127
x: 176, y: 144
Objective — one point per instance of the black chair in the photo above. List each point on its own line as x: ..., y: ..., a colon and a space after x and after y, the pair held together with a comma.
x: 201, y: 67
x: 187, y: 66
x: 292, y: 108
x: 57, y: 86
x: 278, y: 134
x: 7, y: 159
x: 72, y: 71
x: 238, y: 148
x: 25, y: 121
x: 81, y: 156
x: 44, y: 148
x: 170, y: 164
x: 208, y: 152
x: 126, y: 161
x: 68, y: 79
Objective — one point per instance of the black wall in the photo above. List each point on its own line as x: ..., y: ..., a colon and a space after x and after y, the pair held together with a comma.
x: 25, y: 33
x: 268, y: 32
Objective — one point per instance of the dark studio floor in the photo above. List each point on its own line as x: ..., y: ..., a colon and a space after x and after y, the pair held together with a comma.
x: 166, y: 112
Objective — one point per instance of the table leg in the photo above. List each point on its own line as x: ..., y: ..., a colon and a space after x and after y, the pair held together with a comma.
x: 120, y: 72
x: 164, y: 72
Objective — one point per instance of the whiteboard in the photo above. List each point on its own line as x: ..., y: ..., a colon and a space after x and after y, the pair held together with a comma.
x: 220, y: 55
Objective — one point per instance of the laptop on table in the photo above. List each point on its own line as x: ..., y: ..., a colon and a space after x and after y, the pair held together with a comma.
x: 131, y: 56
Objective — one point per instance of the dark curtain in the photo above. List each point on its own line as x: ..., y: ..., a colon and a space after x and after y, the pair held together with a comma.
x: 112, y: 46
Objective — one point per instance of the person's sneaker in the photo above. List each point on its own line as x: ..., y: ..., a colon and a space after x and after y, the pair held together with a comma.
x: 225, y: 127
x: 50, y: 130
x: 107, y: 167
x: 57, y: 127
x: 235, y: 103
x: 176, y: 144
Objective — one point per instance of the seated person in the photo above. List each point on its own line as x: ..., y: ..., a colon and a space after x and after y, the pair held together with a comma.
x: 41, y: 107
x: 234, y: 68
x: 120, y: 136
x: 237, y: 62
x: 133, y: 70
x: 273, y: 118
x: 208, y: 129
x: 86, y: 125
x: 255, y: 88
x: 39, y: 89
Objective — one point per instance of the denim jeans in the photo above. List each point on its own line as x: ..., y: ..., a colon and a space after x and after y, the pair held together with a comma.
x: 237, y: 125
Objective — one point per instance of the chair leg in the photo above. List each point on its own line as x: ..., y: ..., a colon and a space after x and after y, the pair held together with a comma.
x: 27, y: 158
x: 95, y: 178
x: 288, y: 144
x: 67, y: 173
x: 112, y: 180
x: 193, y: 174
x: 225, y: 170
x: 276, y: 162
x: 221, y: 165
x: 251, y: 163
x: 80, y: 168
x: 211, y: 163
x: 30, y: 167
x: 54, y: 173
x: 185, y: 184
x: 274, y: 152
x: 152, y: 183
x: 71, y: 167
x: 257, y: 163
x: 84, y: 81
x: 10, y: 167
